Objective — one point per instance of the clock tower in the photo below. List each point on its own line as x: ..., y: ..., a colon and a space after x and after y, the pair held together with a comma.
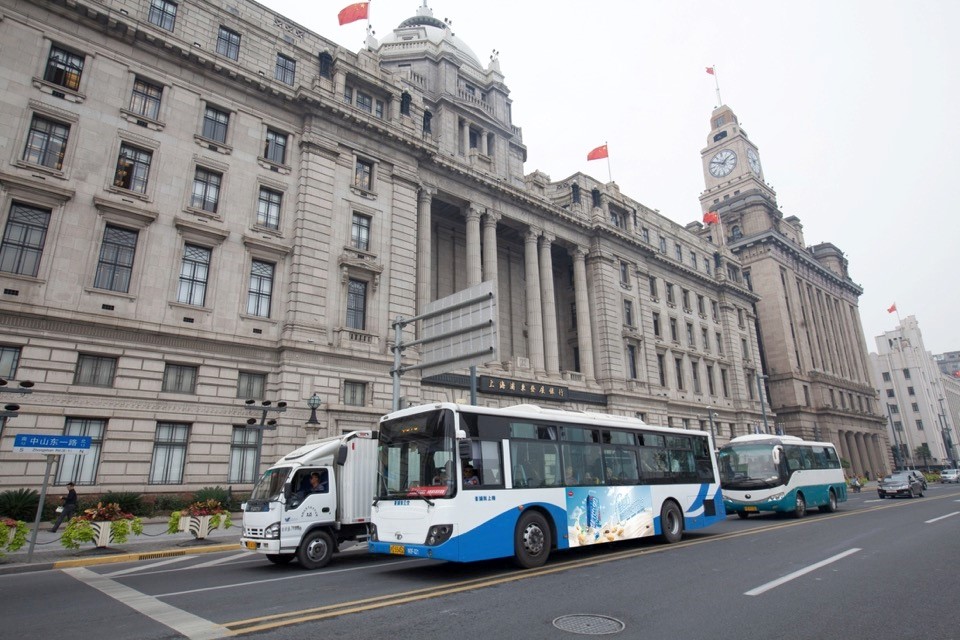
x: 731, y: 163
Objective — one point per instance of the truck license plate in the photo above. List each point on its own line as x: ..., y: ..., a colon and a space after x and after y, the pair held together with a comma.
x: 396, y: 549
x: 251, y: 544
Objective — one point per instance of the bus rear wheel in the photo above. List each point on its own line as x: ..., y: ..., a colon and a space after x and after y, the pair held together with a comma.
x: 531, y: 540
x: 801, y: 509
x: 671, y: 522
x: 831, y: 505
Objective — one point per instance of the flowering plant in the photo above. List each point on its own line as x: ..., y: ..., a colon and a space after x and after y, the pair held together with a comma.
x: 19, y: 537
x: 81, y: 527
x: 218, y: 515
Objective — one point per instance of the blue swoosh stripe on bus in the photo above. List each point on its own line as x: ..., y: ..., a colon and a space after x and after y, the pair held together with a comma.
x: 701, y: 496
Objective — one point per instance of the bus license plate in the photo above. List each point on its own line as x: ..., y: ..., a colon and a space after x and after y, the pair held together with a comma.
x: 396, y: 550
x: 750, y: 508
x: 251, y: 544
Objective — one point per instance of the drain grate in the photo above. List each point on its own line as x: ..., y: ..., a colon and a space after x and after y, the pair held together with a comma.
x: 589, y: 625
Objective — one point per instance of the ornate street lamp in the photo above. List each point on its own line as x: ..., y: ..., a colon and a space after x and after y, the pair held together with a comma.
x: 314, y: 403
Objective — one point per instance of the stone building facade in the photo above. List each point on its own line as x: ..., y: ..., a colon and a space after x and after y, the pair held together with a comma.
x: 814, y: 351
x: 203, y: 203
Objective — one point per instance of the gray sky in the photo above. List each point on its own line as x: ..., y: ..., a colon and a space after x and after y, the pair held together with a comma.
x: 848, y: 101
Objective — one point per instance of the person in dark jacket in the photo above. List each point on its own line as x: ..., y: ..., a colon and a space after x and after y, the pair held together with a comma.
x: 69, y: 507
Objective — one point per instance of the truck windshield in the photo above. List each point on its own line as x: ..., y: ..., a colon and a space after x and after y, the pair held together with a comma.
x: 417, y: 456
x: 748, y: 466
x: 270, y: 485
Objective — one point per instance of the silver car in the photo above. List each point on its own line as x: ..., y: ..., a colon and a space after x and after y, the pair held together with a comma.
x: 950, y: 475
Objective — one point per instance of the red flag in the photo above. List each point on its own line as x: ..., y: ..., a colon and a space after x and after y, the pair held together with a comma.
x: 710, y: 70
x: 892, y: 308
x: 598, y: 153
x: 711, y: 217
x: 353, y: 13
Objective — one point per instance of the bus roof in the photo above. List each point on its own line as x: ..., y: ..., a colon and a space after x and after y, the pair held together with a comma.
x: 772, y: 439
x: 534, y: 411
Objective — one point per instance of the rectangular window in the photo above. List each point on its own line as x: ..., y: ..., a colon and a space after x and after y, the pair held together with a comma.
x: 624, y: 273
x: 723, y: 383
x: 740, y: 318
x: 357, y: 305
x: 661, y: 370
x: 363, y: 175
x: 886, y: 376
x: 360, y: 232
x: 133, y: 168
x: 695, y: 375
x: 163, y: 14
x: 46, y: 143
x: 910, y: 391
x: 169, y: 453
x: 286, y: 69
x: 244, y: 447
x: 701, y: 308
x: 228, y: 43
x: 653, y: 288
x: 678, y: 367
x: 749, y: 380
x: 906, y: 374
x: 206, y: 190
x: 674, y: 330
x: 919, y: 425
x: 806, y: 396
x: 9, y: 359
x: 354, y: 393
x: 23, y: 239
x: 261, y: 289
x: 116, y: 259
x: 715, y: 310
x: 890, y: 393
x: 915, y: 407
x: 179, y: 378
x: 215, y: 124
x: 145, y: 100
x: 705, y: 338
x: 95, y: 371
x: 656, y: 324
x: 364, y: 102
x: 663, y: 244
x: 194, y: 271
x: 645, y: 234
x: 669, y: 288
x: 678, y: 252
x: 690, y: 340
x: 251, y: 385
x: 685, y: 297
x: 275, y: 148
x: 64, y: 68
x: 719, y: 337
x: 693, y: 260
x: 628, y: 313
x: 268, y: 208
x: 893, y: 408
x: 710, y: 387
x: 82, y: 469
x: 744, y: 349
x: 632, y: 362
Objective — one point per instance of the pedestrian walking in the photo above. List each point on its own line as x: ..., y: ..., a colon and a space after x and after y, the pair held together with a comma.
x: 69, y: 507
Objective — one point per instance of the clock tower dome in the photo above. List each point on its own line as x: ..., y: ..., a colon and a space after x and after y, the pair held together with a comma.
x: 731, y: 163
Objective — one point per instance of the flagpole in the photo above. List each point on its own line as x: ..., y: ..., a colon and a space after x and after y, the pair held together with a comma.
x: 716, y: 81
x: 609, y: 172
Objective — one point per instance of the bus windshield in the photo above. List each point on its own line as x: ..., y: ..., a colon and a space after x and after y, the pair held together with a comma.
x: 748, y: 466
x: 270, y: 485
x: 417, y: 456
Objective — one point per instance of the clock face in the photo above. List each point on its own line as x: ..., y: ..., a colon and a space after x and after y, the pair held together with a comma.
x: 754, y: 161
x: 723, y: 163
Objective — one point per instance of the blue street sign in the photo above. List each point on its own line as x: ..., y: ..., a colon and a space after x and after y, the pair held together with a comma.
x: 37, y: 443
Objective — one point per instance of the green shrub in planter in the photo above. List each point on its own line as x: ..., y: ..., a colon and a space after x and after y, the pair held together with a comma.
x: 217, y: 493
x: 19, y: 504
x: 129, y: 501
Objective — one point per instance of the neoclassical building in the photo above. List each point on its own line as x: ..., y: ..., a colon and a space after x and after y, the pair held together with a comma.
x: 815, y: 355
x: 203, y: 203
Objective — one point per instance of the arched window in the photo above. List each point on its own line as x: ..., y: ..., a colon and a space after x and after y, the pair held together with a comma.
x: 427, y: 117
x: 405, y: 104
x: 326, y: 65
x: 595, y: 194
x: 736, y: 233
x: 575, y: 190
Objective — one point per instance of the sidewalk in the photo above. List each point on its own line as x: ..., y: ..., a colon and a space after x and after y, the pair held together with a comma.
x: 155, y: 542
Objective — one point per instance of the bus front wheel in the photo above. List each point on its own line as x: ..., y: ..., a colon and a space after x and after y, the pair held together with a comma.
x: 671, y: 522
x: 532, y: 540
x: 801, y: 509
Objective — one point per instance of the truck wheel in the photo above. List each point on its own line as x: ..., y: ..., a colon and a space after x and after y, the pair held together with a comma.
x: 531, y: 540
x: 315, y: 550
x: 280, y: 558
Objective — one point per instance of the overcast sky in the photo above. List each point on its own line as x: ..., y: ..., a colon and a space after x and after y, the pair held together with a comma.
x: 848, y: 101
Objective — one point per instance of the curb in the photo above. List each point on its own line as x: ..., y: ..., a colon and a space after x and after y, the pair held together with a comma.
x: 122, y: 557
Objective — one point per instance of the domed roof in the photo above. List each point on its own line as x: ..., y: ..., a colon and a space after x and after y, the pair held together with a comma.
x: 424, y: 28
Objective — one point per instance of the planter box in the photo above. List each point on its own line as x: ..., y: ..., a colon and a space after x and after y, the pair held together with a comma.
x: 101, y: 536
x: 199, y: 526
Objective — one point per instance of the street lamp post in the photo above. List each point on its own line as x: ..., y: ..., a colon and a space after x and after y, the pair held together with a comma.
x: 12, y: 410
x: 896, y: 442
x: 945, y: 432
x: 713, y: 433
x: 763, y: 405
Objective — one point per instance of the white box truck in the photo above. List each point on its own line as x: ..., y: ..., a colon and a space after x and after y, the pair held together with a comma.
x: 313, y: 499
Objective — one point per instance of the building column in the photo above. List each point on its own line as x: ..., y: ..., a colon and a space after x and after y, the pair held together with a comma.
x: 548, y: 298
x: 584, y: 329
x: 534, y: 314
x: 424, y: 242
x: 851, y: 453
x: 490, y: 267
x: 842, y: 444
x: 873, y: 452
x: 474, y: 273
x: 864, y: 461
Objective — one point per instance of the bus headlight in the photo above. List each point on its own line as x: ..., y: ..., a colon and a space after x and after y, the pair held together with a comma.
x: 438, y: 534
x: 776, y: 497
x: 273, y: 531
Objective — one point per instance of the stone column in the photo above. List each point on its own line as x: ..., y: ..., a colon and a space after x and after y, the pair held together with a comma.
x: 534, y: 313
x: 474, y: 273
x: 851, y: 453
x: 490, y: 267
x: 584, y: 330
x: 550, y: 338
x: 424, y: 241
x: 861, y: 453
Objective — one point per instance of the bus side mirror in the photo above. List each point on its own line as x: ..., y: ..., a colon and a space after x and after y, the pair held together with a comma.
x: 776, y: 454
x: 465, y: 448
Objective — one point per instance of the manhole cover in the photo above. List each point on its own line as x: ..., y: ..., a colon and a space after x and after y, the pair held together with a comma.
x: 589, y: 625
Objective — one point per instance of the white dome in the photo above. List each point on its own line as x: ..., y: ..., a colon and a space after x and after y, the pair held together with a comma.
x: 425, y: 29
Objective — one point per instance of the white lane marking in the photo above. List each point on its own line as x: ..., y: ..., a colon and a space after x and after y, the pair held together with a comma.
x: 223, y: 560
x: 122, y: 572
x: 298, y: 576
x: 874, y: 500
x: 184, y: 623
x: 942, y: 517
x: 796, y: 574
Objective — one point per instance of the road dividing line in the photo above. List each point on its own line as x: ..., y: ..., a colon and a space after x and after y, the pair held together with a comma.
x: 184, y: 623
x: 796, y: 574
x: 123, y: 572
x: 941, y: 517
x: 225, y: 559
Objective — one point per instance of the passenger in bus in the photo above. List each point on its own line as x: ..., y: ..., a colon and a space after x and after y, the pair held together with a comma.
x: 470, y: 478
x: 569, y: 476
x: 441, y: 477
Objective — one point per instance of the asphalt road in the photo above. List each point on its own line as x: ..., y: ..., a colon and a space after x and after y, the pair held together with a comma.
x: 874, y: 570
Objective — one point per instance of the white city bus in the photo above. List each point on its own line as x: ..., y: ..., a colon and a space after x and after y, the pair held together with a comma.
x: 780, y: 473
x: 536, y: 480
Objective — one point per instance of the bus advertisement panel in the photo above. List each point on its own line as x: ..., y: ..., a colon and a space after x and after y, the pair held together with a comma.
x: 466, y: 483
